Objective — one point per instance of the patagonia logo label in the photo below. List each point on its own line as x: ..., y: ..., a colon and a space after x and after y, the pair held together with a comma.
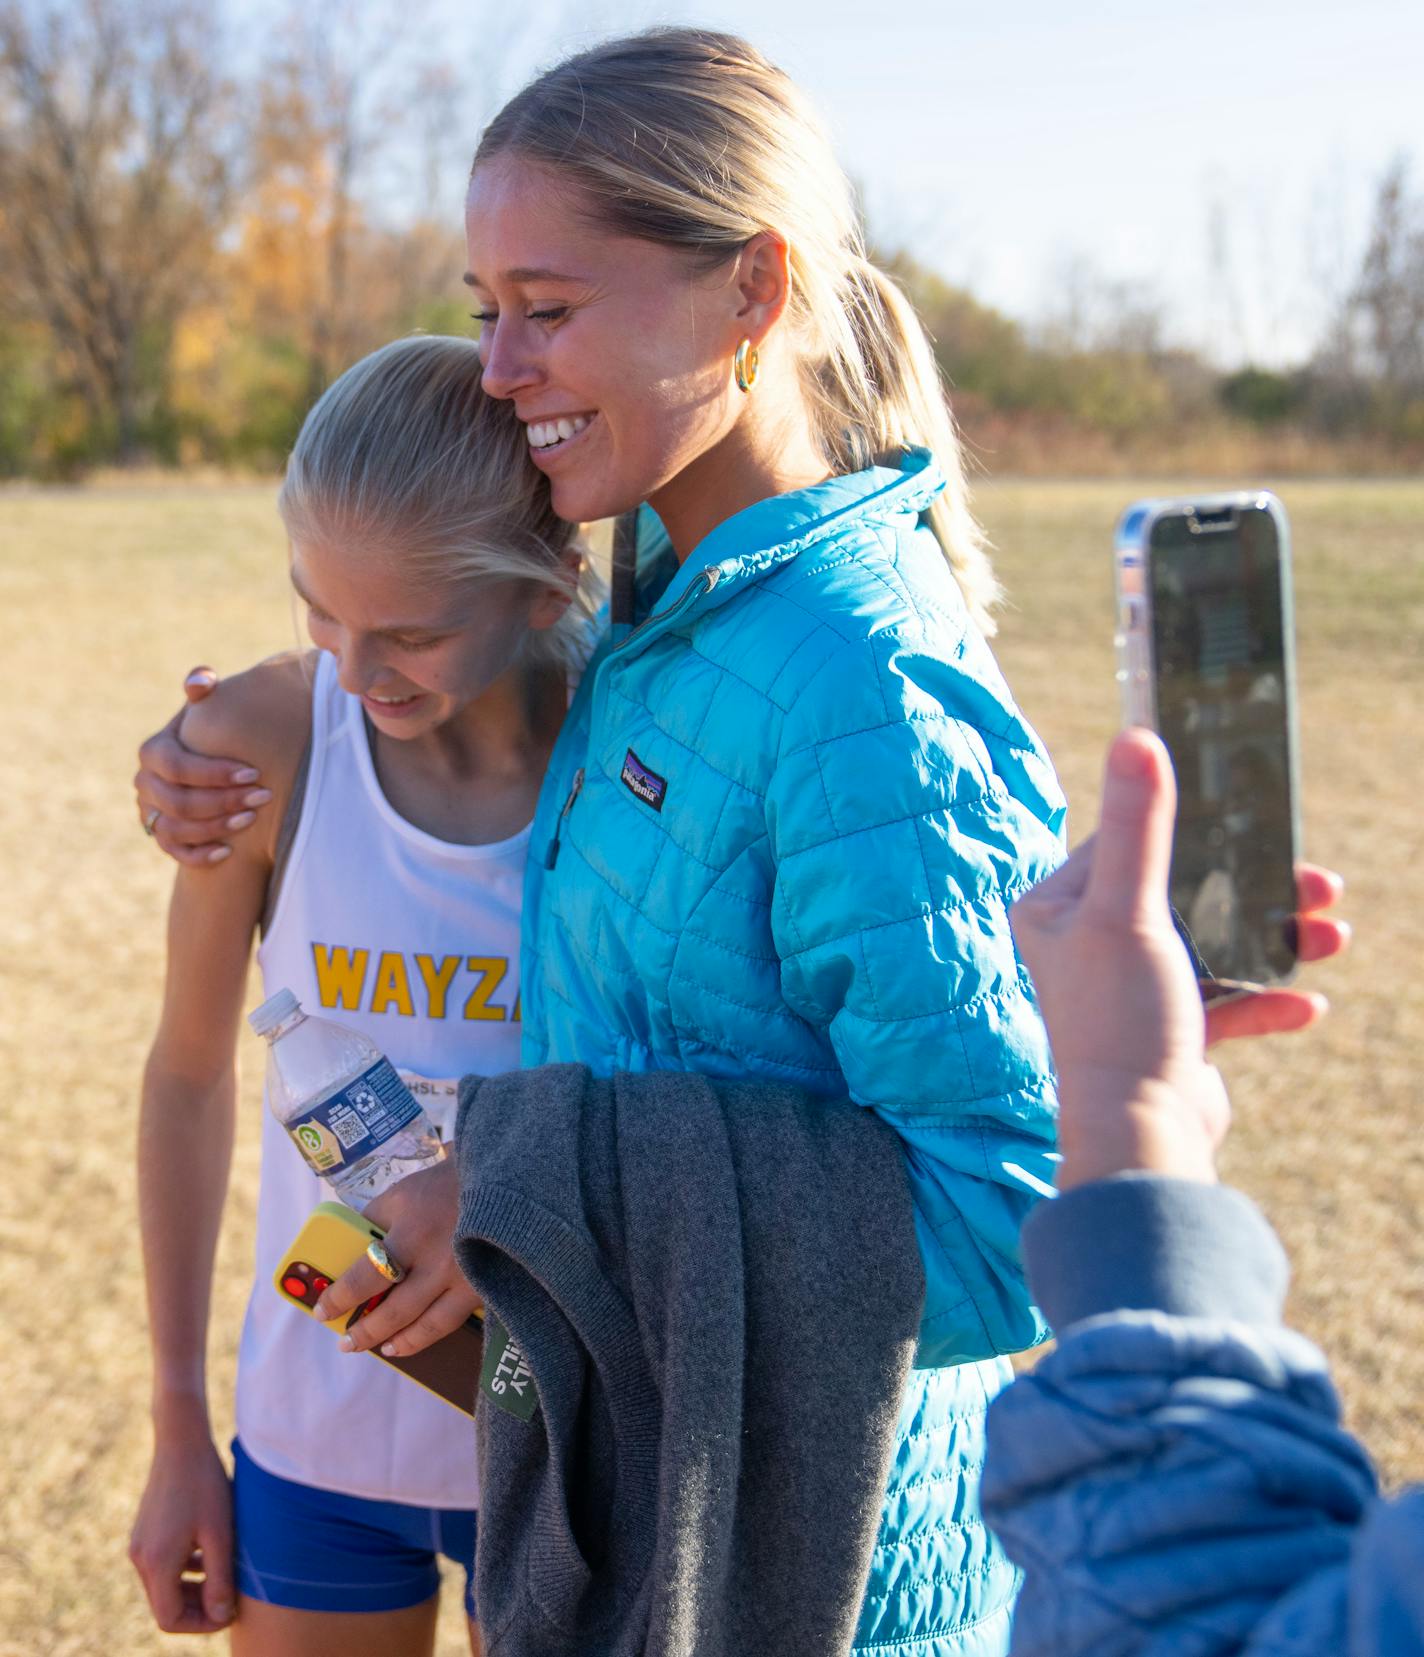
x: 650, y: 788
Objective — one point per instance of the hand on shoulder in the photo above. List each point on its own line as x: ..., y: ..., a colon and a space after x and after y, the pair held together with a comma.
x: 264, y: 714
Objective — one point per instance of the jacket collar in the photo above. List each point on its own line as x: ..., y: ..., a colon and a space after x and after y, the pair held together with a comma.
x: 771, y: 532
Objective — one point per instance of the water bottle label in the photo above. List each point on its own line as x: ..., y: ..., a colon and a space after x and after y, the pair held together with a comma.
x: 355, y: 1120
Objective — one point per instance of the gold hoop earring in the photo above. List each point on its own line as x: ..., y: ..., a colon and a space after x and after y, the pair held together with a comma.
x: 745, y: 365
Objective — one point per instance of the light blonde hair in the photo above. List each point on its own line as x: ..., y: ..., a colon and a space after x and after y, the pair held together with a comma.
x: 691, y: 138
x: 405, y: 454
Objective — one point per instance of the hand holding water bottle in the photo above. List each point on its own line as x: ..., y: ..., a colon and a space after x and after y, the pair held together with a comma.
x: 364, y: 1133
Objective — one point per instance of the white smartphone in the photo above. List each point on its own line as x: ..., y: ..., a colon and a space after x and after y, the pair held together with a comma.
x: 1206, y: 658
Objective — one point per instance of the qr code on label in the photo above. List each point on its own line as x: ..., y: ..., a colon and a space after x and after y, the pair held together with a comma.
x: 362, y: 1099
x: 347, y: 1126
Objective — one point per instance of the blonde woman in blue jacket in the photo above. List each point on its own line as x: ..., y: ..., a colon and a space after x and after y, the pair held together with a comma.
x: 789, y: 808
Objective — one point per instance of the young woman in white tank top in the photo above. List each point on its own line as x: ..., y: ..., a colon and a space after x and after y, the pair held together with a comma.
x: 406, y: 754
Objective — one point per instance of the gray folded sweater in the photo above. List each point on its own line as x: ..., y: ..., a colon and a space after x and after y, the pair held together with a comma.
x: 703, y: 1301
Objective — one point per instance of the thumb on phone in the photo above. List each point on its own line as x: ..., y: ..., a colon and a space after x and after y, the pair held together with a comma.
x: 1132, y: 849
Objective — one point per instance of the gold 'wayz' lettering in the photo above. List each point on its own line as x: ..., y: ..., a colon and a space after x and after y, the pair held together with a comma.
x: 491, y: 969
x: 392, y: 986
x: 345, y: 980
x: 437, y: 980
x: 340, y: 975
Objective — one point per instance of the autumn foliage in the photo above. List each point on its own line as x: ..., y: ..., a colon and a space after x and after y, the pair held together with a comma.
x: 198, y: 232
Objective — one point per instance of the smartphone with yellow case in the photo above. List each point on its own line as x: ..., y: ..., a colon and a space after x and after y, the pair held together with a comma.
x: 335, y: 1237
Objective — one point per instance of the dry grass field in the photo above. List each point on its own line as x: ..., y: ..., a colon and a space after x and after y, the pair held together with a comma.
x: 109, y: 595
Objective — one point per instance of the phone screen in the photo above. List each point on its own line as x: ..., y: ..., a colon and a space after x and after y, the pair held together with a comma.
x: 1222, y: 682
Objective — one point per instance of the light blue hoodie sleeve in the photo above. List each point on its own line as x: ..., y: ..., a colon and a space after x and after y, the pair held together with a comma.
x: 910, y: 805
x: 1173, y: 1478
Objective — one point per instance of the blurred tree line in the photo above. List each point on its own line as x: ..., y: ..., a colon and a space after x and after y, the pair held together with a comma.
x: 1106, y: 365
x: 188, y: 254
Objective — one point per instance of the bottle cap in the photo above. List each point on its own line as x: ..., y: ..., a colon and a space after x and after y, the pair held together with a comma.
x: 273, y: 1011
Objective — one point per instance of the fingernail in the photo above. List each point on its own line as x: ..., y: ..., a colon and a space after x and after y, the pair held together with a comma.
x: 320, y: 1311
x: 389, y: 1350
x: 346, y: 1344
x: 242, y: 819
x: 218, y: 853
x: 258, y: 796
x: 1131, y: 759
x: 246, y: 774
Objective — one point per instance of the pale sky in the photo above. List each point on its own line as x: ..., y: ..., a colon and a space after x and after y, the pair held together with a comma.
x: 1001, y: 143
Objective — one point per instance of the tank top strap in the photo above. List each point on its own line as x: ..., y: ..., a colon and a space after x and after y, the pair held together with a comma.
x: 326, y: 714
x: 331, y: 706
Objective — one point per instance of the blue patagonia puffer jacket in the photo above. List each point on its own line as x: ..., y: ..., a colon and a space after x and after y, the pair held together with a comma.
x: 778, y: 838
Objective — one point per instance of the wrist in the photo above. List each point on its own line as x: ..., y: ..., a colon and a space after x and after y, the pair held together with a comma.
x: 1147, y: 1127
x: 180, y: 1418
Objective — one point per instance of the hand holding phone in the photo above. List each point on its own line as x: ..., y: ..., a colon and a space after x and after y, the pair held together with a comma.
x: 419, y: 1214
x: 1117, y: 991
x: 333, y: 1239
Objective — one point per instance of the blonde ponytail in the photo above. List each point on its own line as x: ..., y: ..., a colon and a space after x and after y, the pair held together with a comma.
x: 692, y: 139
x: 878, y: 390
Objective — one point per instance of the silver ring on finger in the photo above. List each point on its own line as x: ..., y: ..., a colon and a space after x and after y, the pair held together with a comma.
x: 150, y: 820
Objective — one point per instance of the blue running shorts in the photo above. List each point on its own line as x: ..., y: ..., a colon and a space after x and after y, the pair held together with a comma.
x: 317, y: 1550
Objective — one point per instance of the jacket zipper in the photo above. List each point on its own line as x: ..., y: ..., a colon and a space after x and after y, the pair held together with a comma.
x: 551, y: 857
x: 699, y: 589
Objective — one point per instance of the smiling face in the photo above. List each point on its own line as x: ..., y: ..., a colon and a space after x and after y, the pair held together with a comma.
x: 614, y: 351
x: 417, y: 655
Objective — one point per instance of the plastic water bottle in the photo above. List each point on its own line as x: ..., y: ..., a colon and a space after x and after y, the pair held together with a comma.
x: 355, y: 1121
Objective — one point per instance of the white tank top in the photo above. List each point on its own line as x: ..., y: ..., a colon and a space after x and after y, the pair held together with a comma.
x: 415, y: 942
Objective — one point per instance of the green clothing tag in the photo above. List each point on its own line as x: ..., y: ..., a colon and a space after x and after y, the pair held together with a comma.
x: 505, y: 1378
